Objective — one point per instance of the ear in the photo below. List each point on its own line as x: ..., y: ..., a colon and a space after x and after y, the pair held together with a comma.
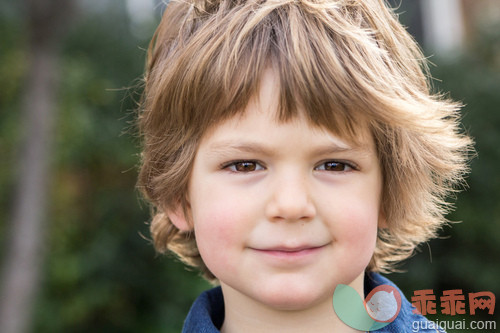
x: 179, y: 218
x: 382, y: 221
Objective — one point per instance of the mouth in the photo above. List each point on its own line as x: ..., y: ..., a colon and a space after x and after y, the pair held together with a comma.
x: 290, y: 252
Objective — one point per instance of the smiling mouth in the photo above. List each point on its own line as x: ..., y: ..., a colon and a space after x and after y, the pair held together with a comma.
x: 287, y: 252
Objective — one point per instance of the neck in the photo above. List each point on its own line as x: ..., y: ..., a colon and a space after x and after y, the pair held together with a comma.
x: 243, y: 314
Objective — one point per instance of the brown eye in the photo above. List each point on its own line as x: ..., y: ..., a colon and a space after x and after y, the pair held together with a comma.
x: 245, y: 166
x: 334, y: 166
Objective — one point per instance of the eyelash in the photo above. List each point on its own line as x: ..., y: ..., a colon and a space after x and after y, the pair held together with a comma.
x: 234, y: 164
x: 256, y: 164
x: 349, y: 165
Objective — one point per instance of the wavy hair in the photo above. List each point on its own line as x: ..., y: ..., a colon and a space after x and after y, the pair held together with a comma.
x: 341, y: 62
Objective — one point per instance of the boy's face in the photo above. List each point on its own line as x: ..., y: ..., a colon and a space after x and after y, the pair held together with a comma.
x: 283, y: 212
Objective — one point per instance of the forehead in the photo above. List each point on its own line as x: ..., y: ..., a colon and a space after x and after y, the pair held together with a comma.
x: 259, y: 133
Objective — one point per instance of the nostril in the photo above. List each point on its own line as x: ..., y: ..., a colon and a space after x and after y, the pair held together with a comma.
x: 291, y: 210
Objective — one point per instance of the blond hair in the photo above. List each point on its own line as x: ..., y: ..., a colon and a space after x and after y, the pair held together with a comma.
x: 342, y: 62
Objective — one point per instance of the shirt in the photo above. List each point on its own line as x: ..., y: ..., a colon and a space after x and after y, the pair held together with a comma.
x: 207, y: 312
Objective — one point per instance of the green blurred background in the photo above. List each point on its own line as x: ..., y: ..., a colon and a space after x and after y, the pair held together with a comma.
x: 98, y: 270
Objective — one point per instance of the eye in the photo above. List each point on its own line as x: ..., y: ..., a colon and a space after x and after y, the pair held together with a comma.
x: 244, y: 166
x: 335, y: 166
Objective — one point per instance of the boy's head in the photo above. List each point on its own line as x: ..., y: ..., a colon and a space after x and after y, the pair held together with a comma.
x: 345, y: 67
x: 283, y: 211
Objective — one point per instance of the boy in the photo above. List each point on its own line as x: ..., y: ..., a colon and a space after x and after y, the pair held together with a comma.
x: 291, y: 147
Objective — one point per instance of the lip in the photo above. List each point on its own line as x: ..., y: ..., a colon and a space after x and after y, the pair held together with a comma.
x: 290, y: 253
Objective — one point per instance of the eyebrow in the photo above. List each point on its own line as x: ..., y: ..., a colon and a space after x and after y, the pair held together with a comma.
x: 227, y: 147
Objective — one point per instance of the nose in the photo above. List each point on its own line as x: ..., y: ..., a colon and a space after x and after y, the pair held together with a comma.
x: 290, y: 200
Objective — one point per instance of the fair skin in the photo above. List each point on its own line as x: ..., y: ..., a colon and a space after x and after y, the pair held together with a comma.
x: 282, y: 213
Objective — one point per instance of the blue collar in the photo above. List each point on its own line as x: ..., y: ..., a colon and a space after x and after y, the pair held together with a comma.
x: 207, y: 312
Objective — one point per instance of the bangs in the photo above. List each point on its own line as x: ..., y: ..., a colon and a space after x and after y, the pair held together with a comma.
x: 219, y: 55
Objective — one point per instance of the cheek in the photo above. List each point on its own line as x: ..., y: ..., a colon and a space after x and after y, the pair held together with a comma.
x: 362, y: 232
x: 356, y: 240
x: 361, y: 220
x: 213, y: 231
x: 216, y: 226
x: 220, y: 215
x: 355, y: 226
x: 219, y: 226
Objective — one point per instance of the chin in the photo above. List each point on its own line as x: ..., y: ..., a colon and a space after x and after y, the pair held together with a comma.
x: 288, y: 298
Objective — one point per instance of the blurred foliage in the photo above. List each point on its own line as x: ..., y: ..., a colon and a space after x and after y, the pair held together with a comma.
x: 467, y: 255
x: 100, y: 274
